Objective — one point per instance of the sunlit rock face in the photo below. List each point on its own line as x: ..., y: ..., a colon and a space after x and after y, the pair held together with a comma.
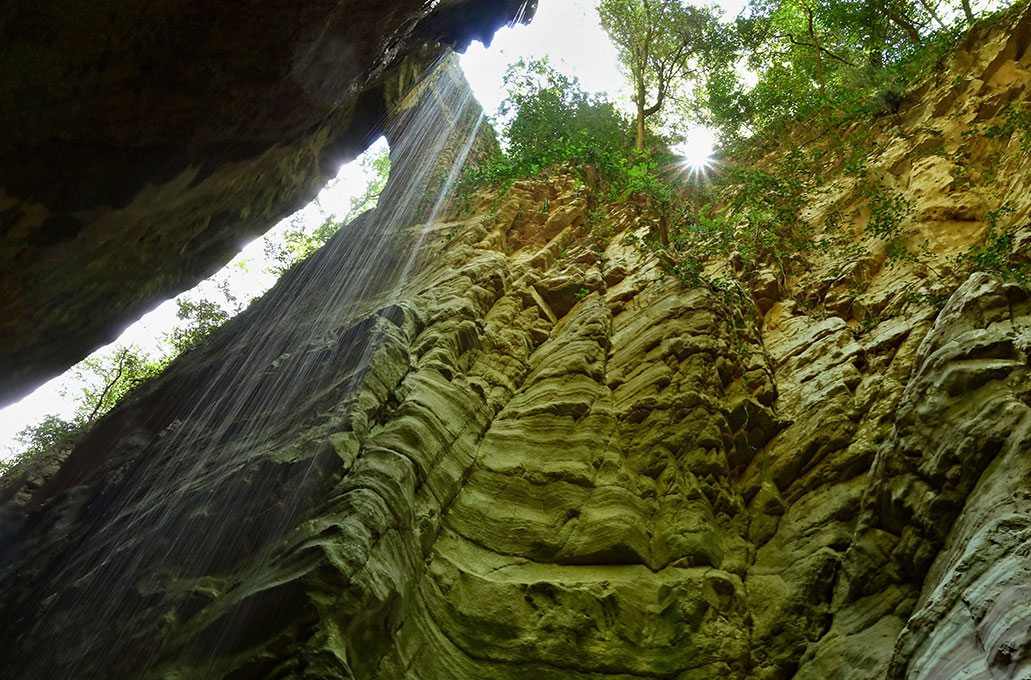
x: 142, y: 143
x: 539, y: 456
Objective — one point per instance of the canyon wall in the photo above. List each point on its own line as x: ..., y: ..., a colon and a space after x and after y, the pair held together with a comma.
x: 542, y: 456
x: 143, y: 143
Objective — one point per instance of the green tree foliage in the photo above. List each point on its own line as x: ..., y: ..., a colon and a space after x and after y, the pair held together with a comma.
x: 549, y: 120
x: 200, y: 317
x: 106, y: 378
x: 50, y: 432
x: 661, y: 44
x: 297, y: 243
x: 552, y: 120
x: 853, y: 56
x: 102, y: 380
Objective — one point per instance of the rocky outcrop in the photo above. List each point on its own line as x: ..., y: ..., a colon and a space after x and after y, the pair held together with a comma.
x: 538, y: 455
x: 141, y: 143
x: 613, y: 489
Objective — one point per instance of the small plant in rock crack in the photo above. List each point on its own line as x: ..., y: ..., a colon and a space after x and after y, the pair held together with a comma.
x: 582, y: 293
x: 889, y: 210
x: 869, y: 323
x: 448, y: 238
x: 912, y: 297
x: 993, y: 254
x: 599, y: 223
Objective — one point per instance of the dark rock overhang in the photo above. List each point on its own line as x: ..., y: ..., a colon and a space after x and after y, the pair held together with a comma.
x: 141, y: 143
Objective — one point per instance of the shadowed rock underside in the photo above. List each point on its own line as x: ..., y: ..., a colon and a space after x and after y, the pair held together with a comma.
x: 143, y: 143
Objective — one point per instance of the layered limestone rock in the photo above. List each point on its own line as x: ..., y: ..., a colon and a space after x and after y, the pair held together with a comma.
x: 540, y: 456
x: 142, y: 143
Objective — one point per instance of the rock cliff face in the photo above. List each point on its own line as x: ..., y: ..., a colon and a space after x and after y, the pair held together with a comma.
x: 535, y: 458
x: 142, y: 143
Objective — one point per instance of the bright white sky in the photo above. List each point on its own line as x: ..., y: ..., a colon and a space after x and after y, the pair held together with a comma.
x: 566, y: 30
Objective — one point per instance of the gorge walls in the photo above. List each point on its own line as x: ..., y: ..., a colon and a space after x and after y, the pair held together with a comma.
x: 540, y: 455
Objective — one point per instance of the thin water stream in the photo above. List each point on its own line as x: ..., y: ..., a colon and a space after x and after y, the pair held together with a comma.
x: 223, y: 478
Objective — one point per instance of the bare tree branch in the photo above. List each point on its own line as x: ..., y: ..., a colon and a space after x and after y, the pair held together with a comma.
x: 107, y: 388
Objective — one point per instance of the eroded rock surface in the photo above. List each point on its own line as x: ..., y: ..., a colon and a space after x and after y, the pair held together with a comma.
x: 614, y: 489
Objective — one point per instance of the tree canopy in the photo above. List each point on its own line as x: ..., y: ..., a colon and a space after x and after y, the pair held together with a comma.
x: 807, y: 54
x: 803, y: 54
x: 661, y: 43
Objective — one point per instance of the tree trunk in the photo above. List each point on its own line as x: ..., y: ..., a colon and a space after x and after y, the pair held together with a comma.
x: 934, y: 15
x: 819, y: 57
x: 108, y: 387
x: 640, y: 116
x: 966, y: 10
x: 902, y: 22
x: 874, y: 22
x: 663, y: 226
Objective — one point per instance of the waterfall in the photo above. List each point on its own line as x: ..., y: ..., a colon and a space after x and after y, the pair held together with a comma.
x: 223, y: 478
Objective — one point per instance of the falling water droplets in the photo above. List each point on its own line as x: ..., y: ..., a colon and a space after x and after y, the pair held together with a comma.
x: 223, y: 479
